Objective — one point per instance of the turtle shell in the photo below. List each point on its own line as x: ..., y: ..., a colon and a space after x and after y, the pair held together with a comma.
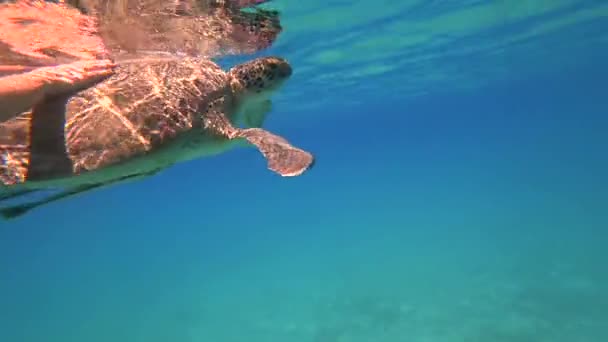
x: 146, y: 104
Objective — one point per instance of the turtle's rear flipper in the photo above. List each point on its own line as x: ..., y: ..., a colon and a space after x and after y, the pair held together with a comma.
x: 282, y: 157
x: 18, y: 210
x: 14, y: 194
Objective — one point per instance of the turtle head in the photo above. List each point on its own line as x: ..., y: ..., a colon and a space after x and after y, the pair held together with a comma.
x: 260, y: 77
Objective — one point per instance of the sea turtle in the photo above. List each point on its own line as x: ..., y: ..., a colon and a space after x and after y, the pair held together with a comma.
x: 150, y: 114
x: 97, y: 151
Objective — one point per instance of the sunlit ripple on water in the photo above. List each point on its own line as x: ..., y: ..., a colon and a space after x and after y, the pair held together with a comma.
x: 397, y: 49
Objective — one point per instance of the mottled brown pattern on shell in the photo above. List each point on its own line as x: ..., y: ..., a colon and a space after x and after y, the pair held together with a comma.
x: 144, y: 105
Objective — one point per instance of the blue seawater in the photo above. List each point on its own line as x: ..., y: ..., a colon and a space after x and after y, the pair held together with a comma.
x: 459, y: 194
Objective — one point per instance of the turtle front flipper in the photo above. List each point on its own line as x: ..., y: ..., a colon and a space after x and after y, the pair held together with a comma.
x: 282, y: 157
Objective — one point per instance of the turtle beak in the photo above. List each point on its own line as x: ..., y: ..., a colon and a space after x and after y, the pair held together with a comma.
x: 284, y: 70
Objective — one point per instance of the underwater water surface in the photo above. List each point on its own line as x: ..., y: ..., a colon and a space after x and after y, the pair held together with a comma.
x: 459, y: 194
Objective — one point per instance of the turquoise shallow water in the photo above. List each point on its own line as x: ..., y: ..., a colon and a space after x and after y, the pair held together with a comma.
x: 459, y: 195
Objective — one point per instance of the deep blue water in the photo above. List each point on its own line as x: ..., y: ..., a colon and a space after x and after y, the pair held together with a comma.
x: 459, y: 194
